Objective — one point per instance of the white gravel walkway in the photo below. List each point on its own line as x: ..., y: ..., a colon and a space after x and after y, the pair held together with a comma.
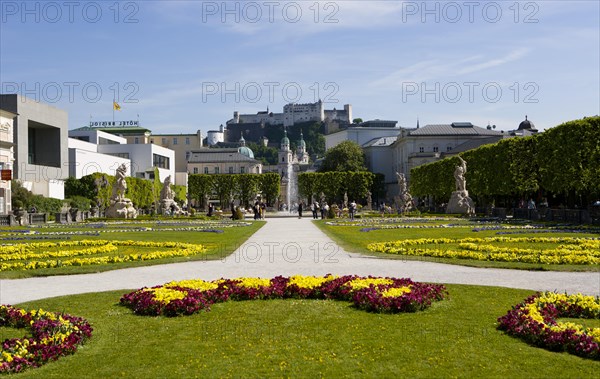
x: 288, y: 246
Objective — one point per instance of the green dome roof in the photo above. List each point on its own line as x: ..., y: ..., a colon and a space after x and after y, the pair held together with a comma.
x: 246, y: 151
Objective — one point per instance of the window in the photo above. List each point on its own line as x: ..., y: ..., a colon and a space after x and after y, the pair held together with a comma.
x: 174, y: 140
x: 421, y: 149
x: 188, y: 154
x: 187, y: 140
x: 206, y: 170
x: 195, y: 170
x: 216, y: 170
x: 164, y: 141
x: 436, y: 149
x: 230, y: 169
x: 242, y: 170
x: 448, y: 148
x: 136, y: 140
x: 151, y: 140
x: 120, y: 155
x: 282, y: 159
x: 160, y: 161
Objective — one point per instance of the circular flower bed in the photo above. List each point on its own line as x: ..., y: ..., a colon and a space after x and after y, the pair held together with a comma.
x: 389, y: 295
x: 535, y: 321
x: 53, y: 335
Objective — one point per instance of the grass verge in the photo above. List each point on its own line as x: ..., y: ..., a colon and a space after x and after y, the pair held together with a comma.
x: 351, y: 239
x: 307, y: 338
x: 219, y: 245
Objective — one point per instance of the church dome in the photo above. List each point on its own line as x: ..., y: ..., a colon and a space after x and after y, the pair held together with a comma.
x: 246, y: 151
x: 285, y: 140
x: 526, y: 125
x: 302, y: 143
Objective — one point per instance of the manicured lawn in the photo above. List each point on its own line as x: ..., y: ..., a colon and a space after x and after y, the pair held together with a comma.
x: 307, y: 338
x: 352, y: 239
x: 219, y: 245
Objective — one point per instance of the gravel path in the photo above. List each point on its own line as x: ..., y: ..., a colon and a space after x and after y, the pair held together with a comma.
x: 288, y: 246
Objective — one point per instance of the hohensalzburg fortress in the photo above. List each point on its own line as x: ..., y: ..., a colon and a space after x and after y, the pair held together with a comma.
x: 295, y: 113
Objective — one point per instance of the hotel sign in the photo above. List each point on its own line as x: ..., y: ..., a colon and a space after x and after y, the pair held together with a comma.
x: 6, y: 174
x: 95, y: 124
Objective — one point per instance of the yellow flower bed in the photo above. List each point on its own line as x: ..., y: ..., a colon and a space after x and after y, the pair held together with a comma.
x: 31, y: 256
x: 569, y: 250
x: 358, y: 284
x: 309, y: 282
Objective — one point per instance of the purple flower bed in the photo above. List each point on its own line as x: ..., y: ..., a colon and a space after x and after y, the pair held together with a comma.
x: 520, y: 322
x: 418, y: 296
x: 53, y: 335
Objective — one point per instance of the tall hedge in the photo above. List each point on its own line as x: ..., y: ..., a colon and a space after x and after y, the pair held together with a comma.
x: 240, y: 186
x: 334, y: 184
x: 562, y: 160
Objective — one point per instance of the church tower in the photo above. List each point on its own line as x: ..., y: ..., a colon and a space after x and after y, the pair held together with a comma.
x: 301, y: 153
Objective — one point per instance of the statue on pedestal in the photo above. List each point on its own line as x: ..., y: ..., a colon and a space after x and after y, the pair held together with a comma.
x: 168, y: 205
x: 120, y: 206
x: 404, y: 200
x: 460, y: 202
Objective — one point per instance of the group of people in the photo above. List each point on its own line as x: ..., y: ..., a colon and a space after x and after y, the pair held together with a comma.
x: 259, y: 209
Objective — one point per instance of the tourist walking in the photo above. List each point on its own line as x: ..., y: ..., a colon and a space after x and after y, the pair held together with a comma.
x: 315, y: 210
x: 300, y: 210
x: 352, y: 210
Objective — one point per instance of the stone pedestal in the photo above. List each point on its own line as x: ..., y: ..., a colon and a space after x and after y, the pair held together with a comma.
x: 169, y: 207
x: 460, y: 202
x: 121, y: 209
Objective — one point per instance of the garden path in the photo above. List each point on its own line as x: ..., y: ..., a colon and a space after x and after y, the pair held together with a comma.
x: 289, y: 246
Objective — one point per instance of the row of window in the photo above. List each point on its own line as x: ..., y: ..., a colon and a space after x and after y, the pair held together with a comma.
x: 436, y: 149
x: 164, y: 140
x: 216, y: 170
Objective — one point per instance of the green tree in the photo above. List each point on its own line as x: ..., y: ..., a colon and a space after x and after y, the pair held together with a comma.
x: 200, y: 186
x: 247, y: 187
x: 269, y: 186
x: 347, y: 156
x: 225, y: 186
x: 357, y: 120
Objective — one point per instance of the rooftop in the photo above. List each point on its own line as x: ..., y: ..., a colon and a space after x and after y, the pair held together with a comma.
x: 456, y: 128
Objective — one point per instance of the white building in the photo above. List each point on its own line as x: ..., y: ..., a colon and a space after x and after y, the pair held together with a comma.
x: 40, y: 150
x: 7, y: 157
x: 431, y: 143
x: 224, y: 161
x: 97, y: 151
x: 363, y: 133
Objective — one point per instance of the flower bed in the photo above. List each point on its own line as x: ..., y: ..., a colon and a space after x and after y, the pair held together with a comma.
x: 53, y: 335
x: 535, y: 321
x: 30, y: 256
x: 584, y: 251
x: 389, y: 295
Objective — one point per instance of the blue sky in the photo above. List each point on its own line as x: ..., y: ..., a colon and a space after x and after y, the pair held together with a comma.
x: 187, y: 65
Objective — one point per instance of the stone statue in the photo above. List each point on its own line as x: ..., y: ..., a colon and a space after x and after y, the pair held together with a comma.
x: 345, y: 199
x: 460, y: 202
x: 404, y: 200
x: 322, y: 198
x: 120, y: 206
x: 369, y: 200
x: 166, y: 193
x: 168, y: 205
x: 120, y: 186
x: 459, y: 175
